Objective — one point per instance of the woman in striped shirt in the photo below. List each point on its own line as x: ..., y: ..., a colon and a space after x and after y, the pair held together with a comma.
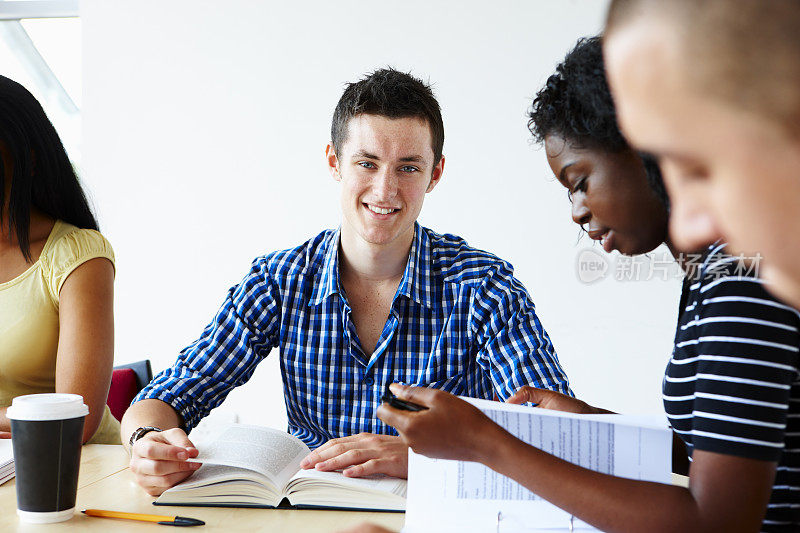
x: 731, y: 389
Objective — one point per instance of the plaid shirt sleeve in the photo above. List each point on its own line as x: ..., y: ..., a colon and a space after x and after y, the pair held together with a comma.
x: 513, y: 347
x: 242, y: 333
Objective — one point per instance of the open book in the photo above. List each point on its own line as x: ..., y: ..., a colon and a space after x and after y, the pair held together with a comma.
x: 253, y: 466
x: 457, y: 496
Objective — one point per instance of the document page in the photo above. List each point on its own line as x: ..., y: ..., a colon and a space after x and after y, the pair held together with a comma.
x: 270, y: 452
x: 463, y: 496
x: 587, y: 443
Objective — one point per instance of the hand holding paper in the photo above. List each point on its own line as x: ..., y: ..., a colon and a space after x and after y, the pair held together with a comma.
x: 449, y: 429
x: 548, y: 399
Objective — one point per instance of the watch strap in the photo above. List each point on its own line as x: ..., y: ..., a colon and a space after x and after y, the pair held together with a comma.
x: 141, y: 432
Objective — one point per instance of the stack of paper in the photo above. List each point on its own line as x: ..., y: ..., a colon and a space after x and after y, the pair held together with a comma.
x: 6, y: 461
x: 459, y: 497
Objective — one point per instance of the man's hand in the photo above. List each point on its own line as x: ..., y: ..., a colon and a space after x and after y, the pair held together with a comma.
x: 449, y: 429
x: 159, y: 460
x: 361, y: 455
x: 366, y: 528
x: 549, y: 399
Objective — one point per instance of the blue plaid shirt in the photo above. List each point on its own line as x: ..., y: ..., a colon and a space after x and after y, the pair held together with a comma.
x: 459, y: 322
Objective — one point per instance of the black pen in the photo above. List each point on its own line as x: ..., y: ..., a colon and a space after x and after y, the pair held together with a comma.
x: 397, y: 403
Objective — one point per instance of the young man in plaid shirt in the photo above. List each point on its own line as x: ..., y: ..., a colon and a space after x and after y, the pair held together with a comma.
x: 380, y: 299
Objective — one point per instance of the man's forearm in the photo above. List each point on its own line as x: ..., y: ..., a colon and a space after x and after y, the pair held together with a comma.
x: 148, y: 412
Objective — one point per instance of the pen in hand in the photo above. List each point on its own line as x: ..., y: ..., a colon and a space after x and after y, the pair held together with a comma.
x: 389, y: 398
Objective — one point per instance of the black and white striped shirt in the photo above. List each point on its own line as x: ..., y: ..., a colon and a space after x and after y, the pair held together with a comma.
x: 732, y: 383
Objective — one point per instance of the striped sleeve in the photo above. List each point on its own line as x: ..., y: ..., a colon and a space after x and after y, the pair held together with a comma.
x: 747, y: 358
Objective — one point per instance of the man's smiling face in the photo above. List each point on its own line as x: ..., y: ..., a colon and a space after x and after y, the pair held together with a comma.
x: 385, y: 167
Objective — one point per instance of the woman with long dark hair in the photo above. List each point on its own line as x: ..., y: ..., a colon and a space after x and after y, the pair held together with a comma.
x: 56, y: 271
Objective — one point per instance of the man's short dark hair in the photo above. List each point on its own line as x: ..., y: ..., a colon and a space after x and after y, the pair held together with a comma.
x: 390, y: 93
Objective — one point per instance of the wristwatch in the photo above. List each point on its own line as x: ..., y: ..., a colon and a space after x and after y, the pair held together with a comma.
x: 141, y: 432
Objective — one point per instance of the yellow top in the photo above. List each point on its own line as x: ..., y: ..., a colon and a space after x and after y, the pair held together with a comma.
x: 29, y: 318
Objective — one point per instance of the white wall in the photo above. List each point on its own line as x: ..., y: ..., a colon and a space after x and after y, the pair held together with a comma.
x: 204, y: 132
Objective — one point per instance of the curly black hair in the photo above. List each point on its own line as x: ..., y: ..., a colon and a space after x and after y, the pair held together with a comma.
x: 576, y: 102
x: 576, y: 105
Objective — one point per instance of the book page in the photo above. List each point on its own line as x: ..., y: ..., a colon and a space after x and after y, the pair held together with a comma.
x: 272, y: 453
x: 453, y: 495
x: 376, y: 483
x: 333, y: 489
x: 210, y: 474
x: 218, y: 484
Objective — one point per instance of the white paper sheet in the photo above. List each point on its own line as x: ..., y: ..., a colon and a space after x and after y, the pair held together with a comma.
x: 462, y: 496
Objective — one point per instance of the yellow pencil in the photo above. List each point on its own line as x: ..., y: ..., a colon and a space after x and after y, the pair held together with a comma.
x: 163, y: 520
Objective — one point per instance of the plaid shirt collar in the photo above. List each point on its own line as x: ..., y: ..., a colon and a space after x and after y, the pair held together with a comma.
x: 415, y: 285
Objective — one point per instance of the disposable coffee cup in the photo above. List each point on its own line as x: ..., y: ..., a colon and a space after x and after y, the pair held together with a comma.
x: 46, y: 433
